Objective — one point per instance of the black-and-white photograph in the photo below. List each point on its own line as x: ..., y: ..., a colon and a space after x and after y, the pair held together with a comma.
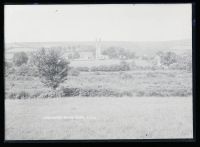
x: 98, y: 71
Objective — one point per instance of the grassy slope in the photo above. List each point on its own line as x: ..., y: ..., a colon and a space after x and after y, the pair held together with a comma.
x: 119, y: 118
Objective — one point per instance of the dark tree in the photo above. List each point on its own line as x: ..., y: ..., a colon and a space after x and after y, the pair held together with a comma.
x: 20, y: 58
x: 118, y: 52
x: 52, y: 67
x: 168, y: 58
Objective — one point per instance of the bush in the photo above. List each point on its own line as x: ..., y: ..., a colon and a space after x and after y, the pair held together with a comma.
x: 20, y: 58
x: 8, y: 64
x: 183, y: 63
x: 168, y: 58
x: 124, y: 65
x: 88, y: 92
x: 51, y: 94
x: 36, y: 94
x: 23, y: 70
x: 18, y: 95
x: 99, y: 93
x: 9, y: 68
x: 9, y: 71
x: 51, y: 66
x: 70, y: 91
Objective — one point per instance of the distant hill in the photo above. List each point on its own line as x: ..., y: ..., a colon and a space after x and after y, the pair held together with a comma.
x: 140, y: 48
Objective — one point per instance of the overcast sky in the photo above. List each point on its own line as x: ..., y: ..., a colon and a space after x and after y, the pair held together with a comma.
x: 43, y: 23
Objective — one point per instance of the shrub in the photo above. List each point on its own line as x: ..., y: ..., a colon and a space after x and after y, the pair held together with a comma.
x: 124, y: 66
x: 8, y: 64
x: 99, y: 93
x: 51, y: 66
x: 23, y: 70
x: 70, y: 91
x: 11, y: 95
x: 36, y: 94
x: 51, y: 94
x: 89, y: 92
x: 9, y: 68
x: 23, y: 94
x: 20, y: 58
x: 168, y: 58
x: 18, y: 95
x: 183, y: 63
x: 9, y: 71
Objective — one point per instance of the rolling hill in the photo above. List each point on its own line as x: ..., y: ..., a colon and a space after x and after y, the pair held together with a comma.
x: 140, y: 48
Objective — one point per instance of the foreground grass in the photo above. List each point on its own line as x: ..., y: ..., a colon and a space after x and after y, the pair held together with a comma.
x: 98, y: 118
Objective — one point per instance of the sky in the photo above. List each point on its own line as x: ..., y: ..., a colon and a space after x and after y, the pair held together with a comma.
x: 112, y: 22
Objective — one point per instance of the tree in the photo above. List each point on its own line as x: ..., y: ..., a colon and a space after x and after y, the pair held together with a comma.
x: 184, y: 62
x: 52, y: 67
x: 111, y: 52
x: 168, y: 58
x: 9, y: 69
x: 118, y: 52
x: 20, y: 58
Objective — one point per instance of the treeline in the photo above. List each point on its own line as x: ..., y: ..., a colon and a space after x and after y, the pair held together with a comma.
x: 53, y: 68
x: 118, y: 53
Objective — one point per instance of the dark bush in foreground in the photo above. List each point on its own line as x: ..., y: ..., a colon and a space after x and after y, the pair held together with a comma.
x: 18, y: 95
x: 98, y: 93
x: 101, y: 92
x: 70, y: 91
x: 51, y: 65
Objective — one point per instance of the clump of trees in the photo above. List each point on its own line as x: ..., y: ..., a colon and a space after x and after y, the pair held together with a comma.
x: 52, y: 67
x: 20, y: 58
x: 174, y: 61
x: 167, y: 58
x: 118, y: 53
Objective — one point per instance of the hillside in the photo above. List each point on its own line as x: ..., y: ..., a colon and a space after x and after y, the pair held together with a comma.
x: 140, y: 48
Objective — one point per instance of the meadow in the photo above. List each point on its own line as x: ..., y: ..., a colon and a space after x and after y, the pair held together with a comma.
x: 131, y: 104
x: 112, y: 84
x: 99, y: 118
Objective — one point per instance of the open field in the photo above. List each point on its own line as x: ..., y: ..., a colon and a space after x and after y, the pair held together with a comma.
x: 128, y: 83
x: 99, y: 118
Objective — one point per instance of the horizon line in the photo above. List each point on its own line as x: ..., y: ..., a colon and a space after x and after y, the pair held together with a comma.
x: 95, y: 41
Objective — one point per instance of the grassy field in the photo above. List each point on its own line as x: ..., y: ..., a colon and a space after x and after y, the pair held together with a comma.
x: 99, y: 118
x: 127, y: 83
